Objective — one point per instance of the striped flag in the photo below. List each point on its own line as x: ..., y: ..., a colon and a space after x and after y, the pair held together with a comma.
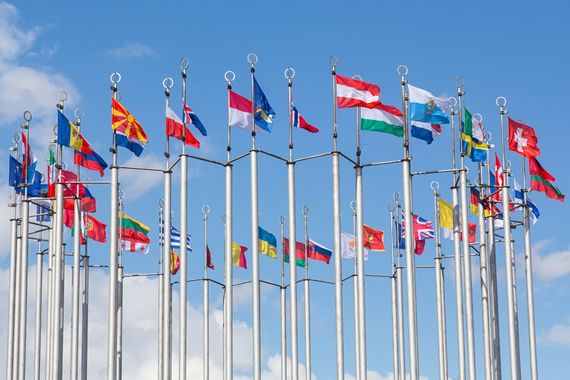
x: 355, y: 93
x: 174, y: 237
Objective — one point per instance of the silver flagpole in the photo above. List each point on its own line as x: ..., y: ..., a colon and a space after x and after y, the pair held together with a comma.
x: 85, y: 317
x: 467, y: 279
x: 120, y: 322
x: 38, y: 316
x: 25, y: 230
x: 18, y: 306
x: 75, y: 287
x: 229, y: 300
x: 160, y: 287
x: 400, y: 298
x: 307, y: 296
x: 13, y: 268
x: 50, y: 292
x: 252, y: 60
x: 206, y: 307
x: 289, y: 74
x: 283, y: 307
x: 439, y: 290
x: 457, y: 251
x: 183, y: 322
x: 394, y: 303
x: 333, y: 60
x: 114, y: 251
x: 355, y: 298
x: 511, y: 312
x: 410, y: 256
x: 529, y: 280
x: 166, y: 286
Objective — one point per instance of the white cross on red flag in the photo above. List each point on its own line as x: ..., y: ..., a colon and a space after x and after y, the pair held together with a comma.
x: 522, y: 139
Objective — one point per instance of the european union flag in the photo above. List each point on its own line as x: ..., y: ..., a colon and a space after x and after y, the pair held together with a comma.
x: 35, y: 188
x: 264, y: 113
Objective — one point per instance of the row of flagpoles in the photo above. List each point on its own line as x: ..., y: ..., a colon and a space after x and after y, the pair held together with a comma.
x: 420, y: 117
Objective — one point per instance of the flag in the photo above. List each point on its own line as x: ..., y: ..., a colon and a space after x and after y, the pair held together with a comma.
x: 129, y: 133
x: 425, y: 131
x: 240, y: 112
x: 426, y: 107
x: 91, y: 161
x: 175, y: 128
x: 472, y: 230
x: 140, y: 244
x: 300, y: 256
x: 51, y: 171
x: 498, y: 177
x: 519, y: 198
x: 71, y: 185
x: 134, y: 234
x: 209, y: 263
x: 175, y: 237
x: 191, y: 118
x: 543, y: 181
x: 174, y: 262
x: 267, y: 243
x: 43, y: 211
x: 264, y: 113
x: 299, y: 121
x: 423, y: 229
x: 318, y: 252
x: 348, y: 246
x: 35, y: 188
x: 381, y: 120
x: 29, y: 161
x: 474, y: 201
x: 523, y: 139
x: 445, y: 214
x: 472, y: 138
x: 94, y: 229
x: 68, y: 135
x: 88, y: 202
x: 355, y: 93
x: 238, y: 255
x: 373, y: 239
x: 419, y: 244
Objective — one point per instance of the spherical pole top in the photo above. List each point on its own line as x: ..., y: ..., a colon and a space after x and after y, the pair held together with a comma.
x: 353, y: 205
x: 161, y: 203
x: 63, y: 96
x: 289, y: 73
x: 282, y: 219
x: 16, y: 138
x: 396, y: 196
x: 452, y: 101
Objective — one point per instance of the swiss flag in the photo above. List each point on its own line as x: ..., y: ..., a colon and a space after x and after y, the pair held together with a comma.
x: 522, y: 139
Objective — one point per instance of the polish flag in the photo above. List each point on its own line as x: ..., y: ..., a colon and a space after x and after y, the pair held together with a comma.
x: 356, y: 93
x: 240, y: 112
x: 175, y: 128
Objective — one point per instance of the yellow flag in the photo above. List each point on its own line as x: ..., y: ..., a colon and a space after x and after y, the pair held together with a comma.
x: 445, y: 214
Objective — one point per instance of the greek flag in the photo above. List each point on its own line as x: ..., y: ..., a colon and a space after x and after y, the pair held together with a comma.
x: 174, y: 237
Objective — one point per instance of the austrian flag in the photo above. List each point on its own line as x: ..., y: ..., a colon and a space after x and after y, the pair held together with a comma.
x: 356, y: 93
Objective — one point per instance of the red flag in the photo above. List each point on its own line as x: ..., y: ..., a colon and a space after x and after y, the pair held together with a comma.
x: 522, y: 139
x: 472, y: 233
x: 175, y: 128
x: 209, y: 263
x: 373, y: 239
x: 541, y: 180
x: 94, y: 229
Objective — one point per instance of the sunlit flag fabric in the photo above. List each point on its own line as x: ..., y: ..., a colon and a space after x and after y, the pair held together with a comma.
x: 356, y: 93
x: 238, y: 255
x: 373, y: 238
x: 88, y: 202
x: 175, y: 128
x: 94, y: 229
x: 51, y: 173
x: 29, y: 161
x: 445, y: 218
x: 300, y: 256
x: 383, y: 120
x: 240, y: 112
x: 425, y: 131
x: 174, y: 262
x: 474, y: 201
x: 175, y: 237
x: 426, y: 107
x: 472, y: 230
x: 423, y: 229
x: 318, y: 252
x: 91, y: 161
x: 209, y: 263
x: 299, y: 121
x: 35, y: 187
x: 348, y: 246
x: 523, y: 139
x: 519, y: 198
x: 68, y: 134
x: 267, y: 243
x: 543, y: 181
x: 71, y: 185
x: 191, y: 118
x: 472, y: 138
x: 134, y: 234
x: 264, y: 113
x: 130, y: 133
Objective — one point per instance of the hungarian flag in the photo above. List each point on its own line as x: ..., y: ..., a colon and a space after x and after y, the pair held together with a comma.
x: 300, y: 255
x: 382, y: 119
x: 238, y: 255
x: 94, y: 229
x: 318, y: 252
x: 522, y: 139
x: 355, y: 93
x: 543, y: 181
x: 299, y: 121
x: 90, y: 160
x: 373, y: 238
x: 191, y: 118
x: 209, y: 263
x: 176, y: 129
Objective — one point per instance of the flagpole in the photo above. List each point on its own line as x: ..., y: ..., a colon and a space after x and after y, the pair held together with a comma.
x: 529, y: 280
x: 289, y: 74
x: 457, y: 251
x: 513, y: 352
x: 333, y: 60
x: 18, y: 305
x: 394, y: 302
x: 206, y: 306
x: 400, y: 298
x: 85, y: 317
x: 440, y: 290
x: 183, y: 322
x: 160, y: 287
x: 38, y: 316
x: 229, y: 76
x: 283, y: 305
x: 166, y: 286
x: 410, y: 258
x: 307, y: 295
x: 50, y: 296
x: 355, y: 296
x: 120, y: 313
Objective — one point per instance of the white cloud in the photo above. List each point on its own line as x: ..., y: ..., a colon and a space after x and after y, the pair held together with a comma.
x: 13, y: 40
x: 551, y: 266
x: 557, y: 335
x: 136, y: 183
x: 131, y: 50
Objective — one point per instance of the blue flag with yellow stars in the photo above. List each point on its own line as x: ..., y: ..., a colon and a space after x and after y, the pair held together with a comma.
x: 264, y: 113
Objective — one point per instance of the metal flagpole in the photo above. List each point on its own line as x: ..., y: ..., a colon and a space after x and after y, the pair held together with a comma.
x: 166, y: 288
x: 410, y: 256
x: 50, y: 294
x: 307, y: 296
x: 206, y: 307
x: 333, y: 60
x: 229, y: 76
x: 38, y: 316
x: 18, y: 305
x: 394, y: 302
x: 75, y: 296
x: 289, y: 74
x: 514, y: 358
x: 465, y: 244
x: 400, y: 298
x: 120, y: 322
x: 114, y: 251
x: 252, y: 60
x: 283, y: 307
x: 457, y: 251
x: 440, y: 290
x: 529, y: 280
x: 183, y: 322
x: 85, y: 317
x: 355, y: 298
x: 160, y: 287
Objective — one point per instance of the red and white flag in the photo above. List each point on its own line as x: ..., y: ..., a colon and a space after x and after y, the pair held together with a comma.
x: 499, y: 175
x: 356, y: 93
x: 299, y: 121
x: 522, y: 139
x: 240, y: 112
x: 175, y: 128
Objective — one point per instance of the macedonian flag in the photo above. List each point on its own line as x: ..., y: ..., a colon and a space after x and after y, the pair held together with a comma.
x: 125, y: 123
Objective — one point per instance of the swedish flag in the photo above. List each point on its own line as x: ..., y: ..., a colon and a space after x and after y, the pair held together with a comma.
x: 264, y: 113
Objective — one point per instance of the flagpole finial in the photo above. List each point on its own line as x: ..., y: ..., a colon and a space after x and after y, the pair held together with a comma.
x: 478, y: 117
x: 353, y: 206
x: 396, y: 196
x: 63, y: 96
x: 306, y: 210
x: 402, y: 70
x: 282, y: 219
x: 434, y: 185
x: 333, y: 60
x: 27, y: 116
x: 115, y: 77
x: 252, y: 59
x: 356, y: 77
x: 289, y: 73
x: 161, y: 203
x: 206, y: 209
x: 229, y: 76
x: 15, y: 141
x: 452, y: 103
x: 459, y: 84
x: 184, y: 63
x: 501, y: 102
x: 167, y: 83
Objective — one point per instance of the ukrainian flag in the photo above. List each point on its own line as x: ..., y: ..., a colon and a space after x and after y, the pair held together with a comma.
x: 267, y: 243
x: 264, y: 113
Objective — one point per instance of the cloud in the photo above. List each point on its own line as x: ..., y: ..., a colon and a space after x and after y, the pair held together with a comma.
x: 13, y: 40
x: 557, y: 335
x: 136, y: 183
x: 551, y: 266
x: 131, y: 50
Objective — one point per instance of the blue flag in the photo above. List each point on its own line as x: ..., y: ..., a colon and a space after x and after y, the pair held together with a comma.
x: 264, y: 113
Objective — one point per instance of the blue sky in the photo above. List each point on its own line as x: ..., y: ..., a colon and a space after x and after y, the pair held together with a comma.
x: 498, y: 48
